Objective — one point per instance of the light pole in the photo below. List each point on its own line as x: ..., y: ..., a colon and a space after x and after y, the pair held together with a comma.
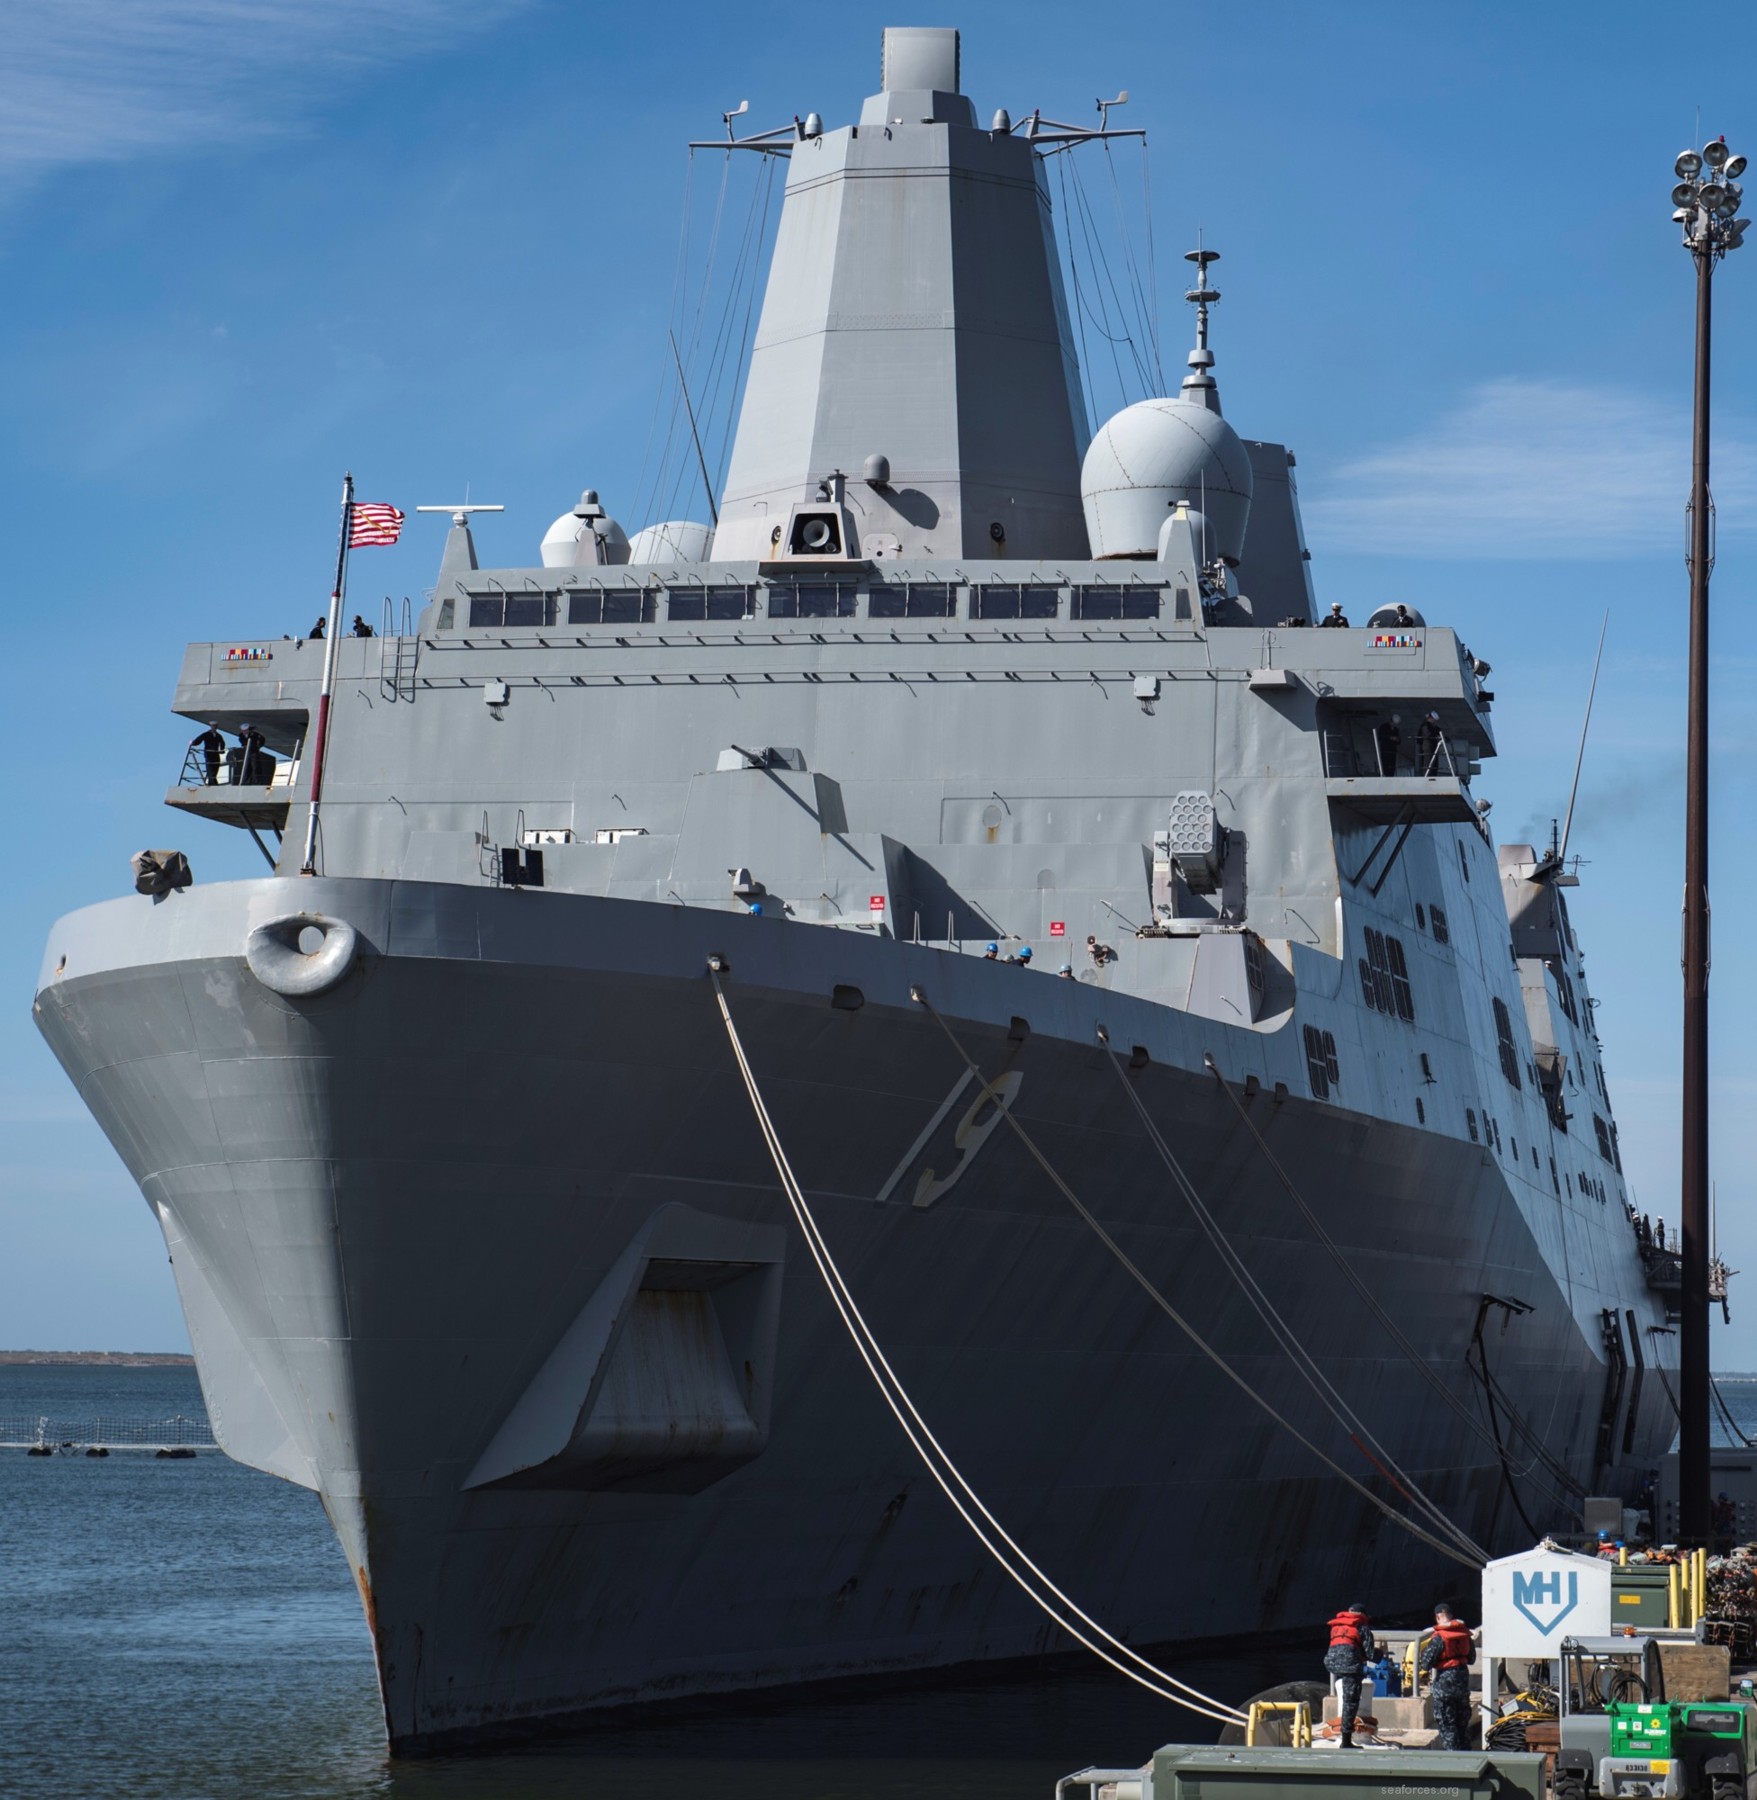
x: 1706, y: 201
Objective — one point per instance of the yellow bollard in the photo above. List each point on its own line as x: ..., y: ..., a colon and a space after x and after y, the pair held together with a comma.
x: 1674, y: 1598
x: 1622, y: 1556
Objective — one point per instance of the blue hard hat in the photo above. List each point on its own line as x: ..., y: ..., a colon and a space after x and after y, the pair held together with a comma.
x: 756, y: 906
x: 1025, y: 954
x: 995, y: 948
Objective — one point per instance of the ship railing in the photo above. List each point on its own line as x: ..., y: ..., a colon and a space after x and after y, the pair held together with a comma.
x: 229, y: 768
x: 44, y: 1432
x: 1419, y: 757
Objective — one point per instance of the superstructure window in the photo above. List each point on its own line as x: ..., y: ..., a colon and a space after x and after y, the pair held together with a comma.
x: 1463, y: 861
x: 1116, y: 603
x: 919, y: 600
x: 612, y: 606
x: 1470, y: 1121
x: 1014, y: 602
x: 1504, y: 1036
x: 1321, y: 1067
x: 1603, y: 1133
x: 717, y: 603
x: 1564, y: 987
x: 1384, y: 977
x: 499, y: 610
x: 1437, y: 919
x: 829, y: 601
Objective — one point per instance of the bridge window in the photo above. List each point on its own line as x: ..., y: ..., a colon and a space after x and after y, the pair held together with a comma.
x: 724, y: 604
x: 831, y: 600
x: 1504, y: 1036
x: 919, y: 600
x: 1013, y: 602
x: 1116, y: 603
x: 612, y: 606
x: 1437, y: 919
x: 498, y: 610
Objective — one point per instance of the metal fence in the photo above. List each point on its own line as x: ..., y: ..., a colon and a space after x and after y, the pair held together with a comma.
x: 40, y: 1431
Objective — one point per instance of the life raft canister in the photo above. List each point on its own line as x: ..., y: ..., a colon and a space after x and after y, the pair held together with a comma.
x: 1347, y: 1628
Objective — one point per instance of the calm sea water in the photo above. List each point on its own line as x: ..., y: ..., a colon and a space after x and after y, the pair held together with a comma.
x: 179, y: 1630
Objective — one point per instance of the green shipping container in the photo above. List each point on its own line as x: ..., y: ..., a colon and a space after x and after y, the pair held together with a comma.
x: 1640, y: 1596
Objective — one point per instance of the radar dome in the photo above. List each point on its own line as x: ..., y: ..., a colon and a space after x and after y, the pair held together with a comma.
x: 675, y: 541
x: 585, y: 537
x: 1149, y: 457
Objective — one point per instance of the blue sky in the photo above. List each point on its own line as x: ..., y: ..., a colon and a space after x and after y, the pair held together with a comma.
x: 246, y: 246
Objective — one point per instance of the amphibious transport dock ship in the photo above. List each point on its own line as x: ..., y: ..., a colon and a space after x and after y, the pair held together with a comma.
x: 472, y: 1222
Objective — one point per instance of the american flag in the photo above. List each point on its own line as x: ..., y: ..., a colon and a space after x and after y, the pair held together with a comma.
x: 372, y: 522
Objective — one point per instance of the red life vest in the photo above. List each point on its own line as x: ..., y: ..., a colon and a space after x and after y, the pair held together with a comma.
x: 1348, y: 1628
x: 1455, y: 1645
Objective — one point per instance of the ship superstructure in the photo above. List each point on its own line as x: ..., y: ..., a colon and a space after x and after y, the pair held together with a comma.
x: 472, y: 1224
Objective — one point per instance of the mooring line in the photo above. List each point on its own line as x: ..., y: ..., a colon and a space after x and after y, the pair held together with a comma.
x: 1364, y: 1290
x: 916, y: 1429
x: 1328, y: 1395
x: 919, y: 995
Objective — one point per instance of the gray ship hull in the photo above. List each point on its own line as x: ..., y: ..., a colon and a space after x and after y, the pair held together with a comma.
x: 396, y: 1209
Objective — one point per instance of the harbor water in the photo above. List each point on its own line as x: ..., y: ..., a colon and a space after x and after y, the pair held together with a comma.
x: 173, y: 1630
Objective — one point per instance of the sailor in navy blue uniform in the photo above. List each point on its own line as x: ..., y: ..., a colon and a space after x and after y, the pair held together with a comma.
x: 1449, y: 1653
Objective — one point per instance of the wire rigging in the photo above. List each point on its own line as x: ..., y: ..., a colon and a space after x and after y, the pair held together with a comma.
x: 919, y: 995
x: 1359, y: 1283
x: 1327, y: 1394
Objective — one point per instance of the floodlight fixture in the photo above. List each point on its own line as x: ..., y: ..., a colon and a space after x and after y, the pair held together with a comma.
x: 1689, y: 164
x: 1735, y: 168
x: 1716, y: 153
x: 1710, y: 194
x: 1684, y: 194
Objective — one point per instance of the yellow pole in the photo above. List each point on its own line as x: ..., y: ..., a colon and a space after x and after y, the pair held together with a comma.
x: 1673, y: 1598
x: 1622, y: 1556
x: 1701, y: 1584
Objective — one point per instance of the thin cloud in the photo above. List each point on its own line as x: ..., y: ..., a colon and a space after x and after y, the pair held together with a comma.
x: 95, y: 81
x: 1531, y: 469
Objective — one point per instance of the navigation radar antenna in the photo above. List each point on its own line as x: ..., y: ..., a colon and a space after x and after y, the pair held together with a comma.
x: 460, y: 514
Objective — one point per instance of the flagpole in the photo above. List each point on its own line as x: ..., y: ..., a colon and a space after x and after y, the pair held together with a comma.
x: 320, y: 735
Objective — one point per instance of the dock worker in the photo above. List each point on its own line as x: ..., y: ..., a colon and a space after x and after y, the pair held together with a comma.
x: 1336, y: 619
x: 1449, y: 1653
x: 1066, y: 972
x: 992, y: 953
x: 1351, y: 1649
x: 212, y: 745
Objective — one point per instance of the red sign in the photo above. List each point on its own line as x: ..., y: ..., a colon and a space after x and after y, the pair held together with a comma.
x: 1058, y: 928
x: 876, y: 903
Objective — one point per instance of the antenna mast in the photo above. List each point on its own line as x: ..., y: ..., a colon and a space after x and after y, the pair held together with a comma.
x: 1580, y: 755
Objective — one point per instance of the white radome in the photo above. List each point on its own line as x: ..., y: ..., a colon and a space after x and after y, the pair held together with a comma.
x: 571, y: 542
x: 1149, y: 457
x: 674, y: 541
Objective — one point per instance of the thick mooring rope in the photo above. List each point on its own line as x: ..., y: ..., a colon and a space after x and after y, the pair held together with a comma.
x: 934, y: 1458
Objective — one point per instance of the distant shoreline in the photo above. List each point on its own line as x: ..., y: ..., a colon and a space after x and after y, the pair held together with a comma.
x: 110, y: 1359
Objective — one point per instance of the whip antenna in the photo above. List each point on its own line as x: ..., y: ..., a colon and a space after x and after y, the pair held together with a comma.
x: 1580, y: 756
